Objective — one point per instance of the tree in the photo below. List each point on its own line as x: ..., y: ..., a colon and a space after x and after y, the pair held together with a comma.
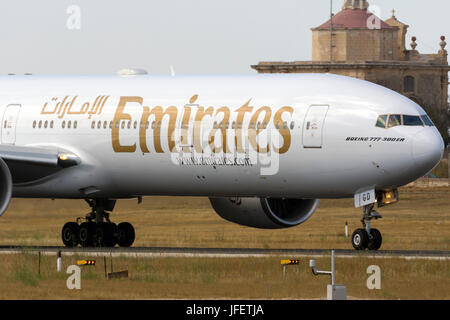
x: 441, y: 118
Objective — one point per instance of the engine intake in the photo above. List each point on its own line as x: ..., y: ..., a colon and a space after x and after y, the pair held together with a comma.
x: 6, y: 186
x: 265, y: 213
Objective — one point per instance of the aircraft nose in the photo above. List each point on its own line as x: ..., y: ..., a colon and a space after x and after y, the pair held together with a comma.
x: 427, y: 149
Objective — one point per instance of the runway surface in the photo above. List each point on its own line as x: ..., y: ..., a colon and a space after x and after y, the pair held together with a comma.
x: 226, y: 252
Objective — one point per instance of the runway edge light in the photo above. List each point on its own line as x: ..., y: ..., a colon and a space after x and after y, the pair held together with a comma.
x: 86, y: 262
x: 289, y: 262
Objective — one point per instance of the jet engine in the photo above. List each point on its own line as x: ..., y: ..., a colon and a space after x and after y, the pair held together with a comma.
x: 265, y: 213
x: 6, y: 186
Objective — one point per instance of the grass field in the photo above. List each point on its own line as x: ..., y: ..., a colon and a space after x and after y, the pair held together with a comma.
x: 220, y: 278
x: 420, y: 221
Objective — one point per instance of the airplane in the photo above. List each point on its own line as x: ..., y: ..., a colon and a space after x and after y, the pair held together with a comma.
x: 263, y: 148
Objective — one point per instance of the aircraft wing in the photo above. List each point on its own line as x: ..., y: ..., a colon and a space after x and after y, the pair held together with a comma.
x: 38, y: 155
x: 28, y: 163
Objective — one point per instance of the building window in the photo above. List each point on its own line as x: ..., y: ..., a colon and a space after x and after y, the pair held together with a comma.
x: 408, y: 84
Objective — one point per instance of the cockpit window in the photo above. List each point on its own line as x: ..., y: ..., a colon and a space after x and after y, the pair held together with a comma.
x: 412, y: 121
x: 381, y: 122
x: 395, y: 120
x: 427, y: 120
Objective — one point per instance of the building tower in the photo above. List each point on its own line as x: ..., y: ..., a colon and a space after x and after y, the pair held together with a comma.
x: 368, y: 48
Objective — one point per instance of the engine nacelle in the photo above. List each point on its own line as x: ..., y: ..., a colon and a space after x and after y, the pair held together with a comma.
x: 265, y: 213
x: 6, y: 186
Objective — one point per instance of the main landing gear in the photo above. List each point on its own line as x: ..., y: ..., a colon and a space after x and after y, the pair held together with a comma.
x: 367, y: 238
x: 97, y: 230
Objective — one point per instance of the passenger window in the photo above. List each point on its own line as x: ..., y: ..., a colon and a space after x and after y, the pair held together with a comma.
x: 427, y: 120
x: 75, y: 124
x: 412, y: 121
x: 69, y: 123
x: 395, y: 120
x: 34, y: 124
x: 381, y: 122
x: 51, y: 124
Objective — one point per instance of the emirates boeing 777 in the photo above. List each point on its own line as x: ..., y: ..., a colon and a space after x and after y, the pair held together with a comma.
x: 264, y: 149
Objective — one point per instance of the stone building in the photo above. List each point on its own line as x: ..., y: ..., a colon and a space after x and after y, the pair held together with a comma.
x: 365, y: 47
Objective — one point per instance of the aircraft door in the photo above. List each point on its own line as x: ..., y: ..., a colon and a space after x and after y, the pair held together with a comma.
x: 313, y: 126
x: 9, y: 123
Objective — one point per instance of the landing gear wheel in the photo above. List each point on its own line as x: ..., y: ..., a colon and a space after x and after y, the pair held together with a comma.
x: 125, y: 234
x: 69, y: 234
x: 360, y: 239
x: 104, y: 235
x: 367, y: 238
x: 86, y: 234
x: 98, y: 230
x: 375, y: 240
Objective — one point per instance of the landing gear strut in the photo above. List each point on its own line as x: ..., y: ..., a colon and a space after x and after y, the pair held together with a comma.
x: 367, y: 238
x: 97, y: 230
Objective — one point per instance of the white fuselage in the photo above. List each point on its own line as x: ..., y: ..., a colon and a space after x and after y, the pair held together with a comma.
x: 293, y: 136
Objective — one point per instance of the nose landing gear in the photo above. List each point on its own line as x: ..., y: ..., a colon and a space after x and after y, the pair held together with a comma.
x: 367, y: 238
x: 98, y: 230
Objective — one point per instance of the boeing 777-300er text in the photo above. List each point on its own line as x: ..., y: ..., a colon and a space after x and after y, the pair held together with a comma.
x: 264, y: 149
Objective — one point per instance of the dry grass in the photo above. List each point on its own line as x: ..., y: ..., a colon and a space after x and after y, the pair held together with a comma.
x: 419, y: 221
x: 220, y: 278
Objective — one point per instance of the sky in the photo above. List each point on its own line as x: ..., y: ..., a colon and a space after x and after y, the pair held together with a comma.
x: 193, y: 36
